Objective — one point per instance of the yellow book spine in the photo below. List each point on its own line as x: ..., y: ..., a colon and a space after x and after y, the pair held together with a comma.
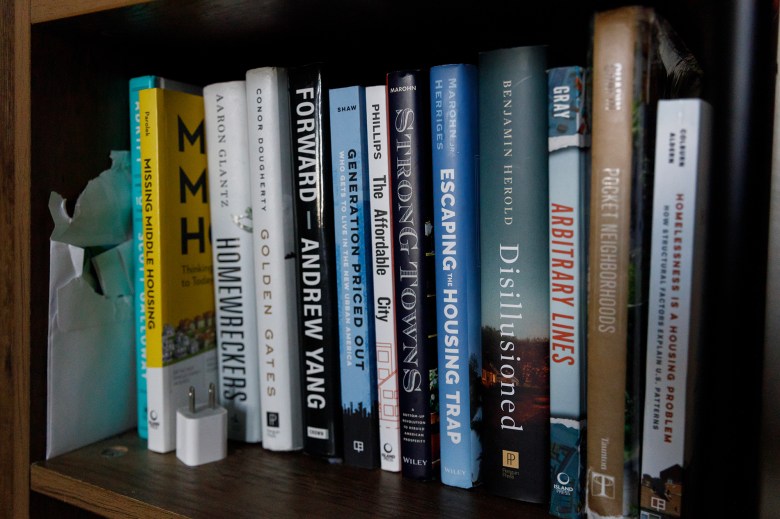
x: 178, y: 272
x: 150, y: 186
x: 178, y: 265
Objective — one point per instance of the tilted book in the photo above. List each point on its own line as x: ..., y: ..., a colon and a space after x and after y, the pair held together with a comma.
x: 180, y: 329
x: 455, y: 147
x: 317, y: 302
x: 677, y: 261
x: 414, y: 271
x: 232, y: 250
x: 514, y: 272
x: 352, y: 234
x: 137, y: 84
x: 636, y: 60
x: 270, y: 167
x: 382, y: 273
x: 569, y: 141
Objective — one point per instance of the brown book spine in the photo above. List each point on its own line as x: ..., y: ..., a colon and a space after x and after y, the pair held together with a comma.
x: 615, y: 35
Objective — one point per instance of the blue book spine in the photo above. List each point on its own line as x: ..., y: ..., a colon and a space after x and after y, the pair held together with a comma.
x: 352, y: 230
x: 137, y: 84
x: 455, y: 148
x: 568, y: 139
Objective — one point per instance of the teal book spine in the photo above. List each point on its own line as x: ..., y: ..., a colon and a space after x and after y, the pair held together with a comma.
x: 455, y: 148
x: 569, y: 141
x: 352, y: 235
x: 514, y: 272
x: 136, y: 85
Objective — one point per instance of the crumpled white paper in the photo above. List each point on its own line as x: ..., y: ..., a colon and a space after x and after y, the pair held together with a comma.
x: 91, y: 361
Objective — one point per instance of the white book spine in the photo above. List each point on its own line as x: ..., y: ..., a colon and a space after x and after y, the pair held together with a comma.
x: 270, y: 168
x: 234, y: 276
x: 384, y: 293
x: 681, y: 166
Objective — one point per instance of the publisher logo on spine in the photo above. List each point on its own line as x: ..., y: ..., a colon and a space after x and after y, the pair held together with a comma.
x: 562, y: 487
x: 272, y: 419
x: 387, y: 452
x: 317, y: 433
x: 153, y: 422
x: 511, y: 459
x: 602, y: 485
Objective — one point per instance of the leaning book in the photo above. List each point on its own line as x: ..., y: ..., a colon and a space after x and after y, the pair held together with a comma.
x: 514, y: 272
x: 232, y: 250
x: 270, y: 166
x: 677, y: 267
x: 455, y: 161
x: 180, y: 325
x: 569, y: 140
x: 136, y: 84
x: 637, y: 59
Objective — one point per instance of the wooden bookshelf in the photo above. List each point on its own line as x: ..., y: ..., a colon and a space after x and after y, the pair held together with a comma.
x: 120, y: 477
x: 48, y: 10
x: 63, y: 92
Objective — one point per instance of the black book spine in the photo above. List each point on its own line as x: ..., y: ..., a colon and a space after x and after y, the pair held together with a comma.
x: 415, y: 289
x: 316, y: 277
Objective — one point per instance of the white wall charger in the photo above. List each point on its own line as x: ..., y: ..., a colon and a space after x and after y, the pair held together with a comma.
x: 201, y: 431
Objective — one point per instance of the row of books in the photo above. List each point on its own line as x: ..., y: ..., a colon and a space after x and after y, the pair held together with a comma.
x: 405, y: 274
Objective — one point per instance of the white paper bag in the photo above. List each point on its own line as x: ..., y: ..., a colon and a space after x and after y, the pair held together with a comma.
x: 91, y: 365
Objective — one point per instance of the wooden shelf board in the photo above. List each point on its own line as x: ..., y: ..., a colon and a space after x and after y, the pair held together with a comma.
x: 48, y: 10
x: 120, y: 477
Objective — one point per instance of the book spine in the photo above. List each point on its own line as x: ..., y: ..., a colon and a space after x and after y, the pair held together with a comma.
x: 414, y: 274
x: 137, y: 84
x: 178, y: 276
x: 319, y: 334
x: 568, y: 138
x: 353, y: 256
x: 616, y: 270
x: 679, y: 214
x: 455, y: 148
x: 382, y: 272
x: 270, y: 166
x: 515, y: 265
x: 232, y: 250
